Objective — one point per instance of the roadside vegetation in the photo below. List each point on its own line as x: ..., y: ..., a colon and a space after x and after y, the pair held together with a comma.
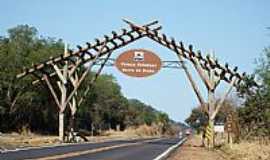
x: 251, y: 115
x: 26, y: 108
x: 251, y: 110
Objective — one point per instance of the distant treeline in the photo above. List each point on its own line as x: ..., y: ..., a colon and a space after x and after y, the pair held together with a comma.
x: 25, y: 106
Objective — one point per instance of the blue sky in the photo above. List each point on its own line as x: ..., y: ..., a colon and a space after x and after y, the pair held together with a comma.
x: 234, y: 29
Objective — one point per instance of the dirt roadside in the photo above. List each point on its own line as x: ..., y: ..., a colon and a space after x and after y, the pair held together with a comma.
x: 13, y: 141
x: 192, y: 150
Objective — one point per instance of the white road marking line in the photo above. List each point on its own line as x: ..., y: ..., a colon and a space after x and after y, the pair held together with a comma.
x: 169, y: 150
x: 79, y: 153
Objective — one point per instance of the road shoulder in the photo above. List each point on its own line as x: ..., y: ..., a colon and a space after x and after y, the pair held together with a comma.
x: 192, y: 150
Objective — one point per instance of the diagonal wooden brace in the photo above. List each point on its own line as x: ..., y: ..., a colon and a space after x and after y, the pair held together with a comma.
x: 94, y: 79
x: 60, y: 74
x: 225, y: 95
x: 52, y: 90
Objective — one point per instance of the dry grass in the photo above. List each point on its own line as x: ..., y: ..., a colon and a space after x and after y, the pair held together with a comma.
x: 144, y: 130
x: 248, y: 151
x: 138, y: 132
x: 14, y: 140
x: 254, y: 150
x: 192, y: 150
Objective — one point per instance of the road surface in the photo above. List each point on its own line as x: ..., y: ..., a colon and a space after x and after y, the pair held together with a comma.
x: 146, y: 149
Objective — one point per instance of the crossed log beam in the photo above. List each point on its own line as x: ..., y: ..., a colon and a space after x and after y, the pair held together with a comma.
x: 65, y: 68
x: 116, y: 41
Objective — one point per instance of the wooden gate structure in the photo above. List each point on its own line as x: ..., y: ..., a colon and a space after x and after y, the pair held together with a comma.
x: 67, y: 71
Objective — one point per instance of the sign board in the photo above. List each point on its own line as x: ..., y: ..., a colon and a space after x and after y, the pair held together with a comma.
x: 138, y: 63
x: 219, y: 128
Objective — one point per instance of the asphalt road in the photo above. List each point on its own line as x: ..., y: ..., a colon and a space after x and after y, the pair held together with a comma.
x: 146, y: 149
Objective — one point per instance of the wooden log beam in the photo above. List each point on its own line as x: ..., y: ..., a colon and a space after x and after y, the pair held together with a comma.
x: 130, y: 40
x: 62, y: 57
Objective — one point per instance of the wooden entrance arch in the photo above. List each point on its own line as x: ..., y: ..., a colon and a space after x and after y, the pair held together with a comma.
x: 66, y: 69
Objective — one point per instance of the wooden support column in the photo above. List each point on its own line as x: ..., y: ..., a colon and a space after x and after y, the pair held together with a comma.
x: 61, y: 126
x: 59, y: 104
x: 211, y: 106
x: 60, y: 101
x: 62, y: 84
x: 63, y: 91
x: 73, y: 104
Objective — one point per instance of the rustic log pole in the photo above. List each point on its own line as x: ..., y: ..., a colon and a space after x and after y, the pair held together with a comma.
x: 63, y: 91
x: 59, y: 104
x: 192, y: 82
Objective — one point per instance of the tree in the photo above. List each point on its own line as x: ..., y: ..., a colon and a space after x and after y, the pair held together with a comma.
x: 19, y: 99
x: 198, y: 119
x: 163, y: 119
x: 254, y: 116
